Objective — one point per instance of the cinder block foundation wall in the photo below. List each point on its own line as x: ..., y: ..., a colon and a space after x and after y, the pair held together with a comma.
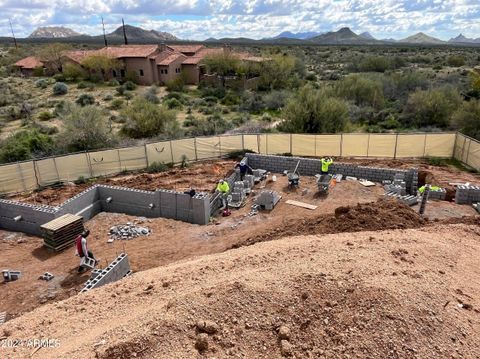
x: 215, y: 198
x: 100, y: 198
x: 312, y: 166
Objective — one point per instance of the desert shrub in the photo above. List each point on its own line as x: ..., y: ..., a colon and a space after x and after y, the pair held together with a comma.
x: 210, y: 99
x: 45, y: 116
x: 266, y: 117
x: 230, y: 99
x: 311, y: 76
x: 130, y: 85
x: 24, y: 145
x: 361, y: 90
x: 177, y: 84
x: 113, y: 83
x: 59, y: 77
x: 374, y: 64
x: 208, y: 91
x: 432, y: 108
x: 240, y: 119
x: 467, y: 118
x: 145, y: 119
x: 456, y: 60
x: 314, y: 111
x: 83, y: 85
x: 131, y: 76
x: 86, y: 128
x: 121, y: 90
x: 85, y: 100
x: 60, y: 89
x: 72, y: 72
x: 44, y: 129
x: 276, y: 99
x: 38, y: 71
x: 151, y: 95
x: 108, y: 97
x: 251, y: 102
x: 116, y: 104
x: 173, y: 103
x: 157, y: 167
x: 42, y: 83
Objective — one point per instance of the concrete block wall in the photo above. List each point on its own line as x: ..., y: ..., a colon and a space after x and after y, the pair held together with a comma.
x: 438, y: 195
x: 116, y: 270
x: 161, y: 203
x: 312, y: 166
x: 32, y: 216
x: 215, y: 198
x: 467, y: 194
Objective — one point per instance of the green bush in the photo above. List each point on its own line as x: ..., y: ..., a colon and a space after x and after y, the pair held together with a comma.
x: 113, y: 83
x: 45, y: 116
x: 24, y: 145
x: 456, y: 61
x: 60, y: 89
x: 145, y: 119
x: 59, y: 77
x: 85, y: 100
x: 230, y: 99
x: 157, y: 167
x: 116, y: 104
x: 374, y: 64
x: 173, y: 103
x: 108, y: 97
x: 361, y: 90
x: 130, y: 86
x: 314, y: 111
x: 73, y: 72
x: 84, y: 84
x: 177, y: 84
x: 151, y: 95
x: 38, y: 71
x: 42, y: 83
x: 467, y: 118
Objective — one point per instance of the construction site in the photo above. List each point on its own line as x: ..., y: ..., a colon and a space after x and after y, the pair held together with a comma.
x: 330, y: 254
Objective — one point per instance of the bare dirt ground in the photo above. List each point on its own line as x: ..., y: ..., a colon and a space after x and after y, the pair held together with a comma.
x: 383, y: 294
x: 202, y: 176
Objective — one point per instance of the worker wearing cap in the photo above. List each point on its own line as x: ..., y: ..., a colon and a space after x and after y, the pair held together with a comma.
x: 326, y: 162
x: 223, y: 188
x: 244, y: 169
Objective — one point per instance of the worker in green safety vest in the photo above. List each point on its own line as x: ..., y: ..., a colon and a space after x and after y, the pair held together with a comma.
x: 326, y: 162
x: 432, y: 188
x: 223, y: 188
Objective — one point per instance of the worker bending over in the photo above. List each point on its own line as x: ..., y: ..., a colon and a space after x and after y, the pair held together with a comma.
x: 82, y: 249
x: 223, y: 188
x: 244, y: 169
x: 432, y: 188
x: 326, y: 162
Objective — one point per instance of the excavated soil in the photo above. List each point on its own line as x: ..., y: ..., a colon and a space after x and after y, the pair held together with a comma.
x: 201, y: 176
x: 385, y: 294
x: 383, y: 214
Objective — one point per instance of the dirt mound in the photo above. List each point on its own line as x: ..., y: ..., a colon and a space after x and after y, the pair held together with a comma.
x: 387, y: 294
x: 375, y: 216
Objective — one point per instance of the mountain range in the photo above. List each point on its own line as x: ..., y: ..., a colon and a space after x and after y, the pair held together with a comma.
x: 344, y: 36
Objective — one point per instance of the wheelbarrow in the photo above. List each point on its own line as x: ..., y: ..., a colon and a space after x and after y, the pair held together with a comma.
x: 293, y: 177
x: 323, y: 183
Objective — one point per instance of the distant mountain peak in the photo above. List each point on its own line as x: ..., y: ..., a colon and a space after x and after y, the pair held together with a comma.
x: 463, y: 39
x: 343, y: 36
x: 422, y: 38
x: 367, y: 35
x: 299, y: 35
x: 50, y: 32
x: 135, y: 32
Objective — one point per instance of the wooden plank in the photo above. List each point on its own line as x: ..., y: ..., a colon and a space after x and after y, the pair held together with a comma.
x: 301, y: 204
x: 60, y: 222
x: 367, y: 183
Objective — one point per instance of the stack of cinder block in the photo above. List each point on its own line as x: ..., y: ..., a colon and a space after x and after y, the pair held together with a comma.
x: 407, y: 199
x: 398, y: 186
x: 267, y: 199
x: 476, y: 206
x: 62, y: 231
x: 439, y: 194
x: 238, y: 194
x: 117, y: 270
x: 467, y: 194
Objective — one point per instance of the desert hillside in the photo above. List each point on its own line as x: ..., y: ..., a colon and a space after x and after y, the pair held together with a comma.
x: 386, y: 294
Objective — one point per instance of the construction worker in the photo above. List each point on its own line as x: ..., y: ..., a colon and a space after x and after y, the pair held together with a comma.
x: 432, y: 188
x: 223, y: 188
x: 326, y: 162
x: 82, y: 249
x: 244, y: 169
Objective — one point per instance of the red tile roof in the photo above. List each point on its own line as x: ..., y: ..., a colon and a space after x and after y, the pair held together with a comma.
x: 78, y: 55
x: 187, y: 48
x: 199, y: 56
x: 117, y: 52
x: 167, y: 60
x: 30, y: 62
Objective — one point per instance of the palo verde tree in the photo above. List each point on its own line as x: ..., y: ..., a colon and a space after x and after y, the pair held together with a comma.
x: 314, y: 111
x: 52, y: 56
x: 223, y: 64
x: 101, y: 64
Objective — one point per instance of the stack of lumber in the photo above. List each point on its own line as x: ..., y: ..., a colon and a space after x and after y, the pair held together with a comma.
x: 61, y: 232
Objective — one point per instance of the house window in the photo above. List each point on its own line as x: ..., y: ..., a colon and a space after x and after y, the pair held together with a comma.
x: 161, y: 71
x: 141, y: 72
x: 122, y: 73
x: 166, y: 71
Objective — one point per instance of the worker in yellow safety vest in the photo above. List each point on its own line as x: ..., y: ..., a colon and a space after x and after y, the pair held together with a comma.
x: 223, y: 188
x: 432, y: 188
x: 326, y: 162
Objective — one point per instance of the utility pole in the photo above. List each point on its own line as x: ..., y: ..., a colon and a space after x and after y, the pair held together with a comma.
x: 104, y: 36
x: 14, y: 39
x: 124, y: 32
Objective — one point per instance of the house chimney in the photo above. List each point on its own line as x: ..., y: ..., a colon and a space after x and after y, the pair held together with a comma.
x: 163, y: 46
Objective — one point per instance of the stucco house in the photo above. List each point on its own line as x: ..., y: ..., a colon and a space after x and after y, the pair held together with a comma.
x: 28, y: 65
x: 154, y: 64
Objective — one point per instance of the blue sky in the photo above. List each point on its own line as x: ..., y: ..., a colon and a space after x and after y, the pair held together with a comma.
x: 200, y: 19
